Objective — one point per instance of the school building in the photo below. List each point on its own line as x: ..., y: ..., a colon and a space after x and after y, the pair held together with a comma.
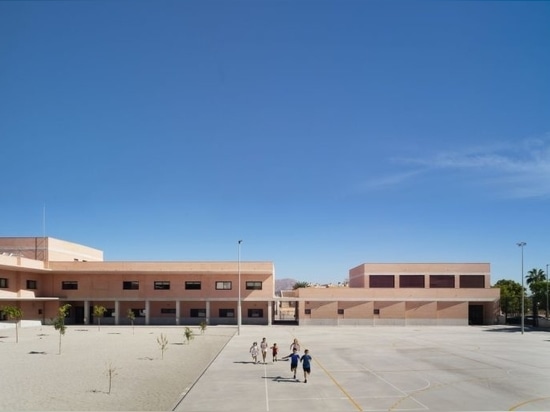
x: 39, y: 274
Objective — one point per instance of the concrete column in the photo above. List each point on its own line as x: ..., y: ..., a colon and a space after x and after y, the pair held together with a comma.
x: 147, y: 312
x: 269, y: 312
x: 117, y: 312
x: 177, y: 312
x: 207, y: 312
x: 86, y: 312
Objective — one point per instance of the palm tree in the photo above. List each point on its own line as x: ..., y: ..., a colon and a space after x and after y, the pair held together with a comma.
x: 535, y: 277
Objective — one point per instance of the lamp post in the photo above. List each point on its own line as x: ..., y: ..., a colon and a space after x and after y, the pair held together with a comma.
x: 521, y: 245
x: 239, y: 315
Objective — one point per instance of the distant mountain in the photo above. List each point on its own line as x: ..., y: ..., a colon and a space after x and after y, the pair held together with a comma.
x: 284, y: 284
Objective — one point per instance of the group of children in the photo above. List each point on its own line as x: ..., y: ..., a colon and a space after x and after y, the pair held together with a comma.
x: 294, y: 356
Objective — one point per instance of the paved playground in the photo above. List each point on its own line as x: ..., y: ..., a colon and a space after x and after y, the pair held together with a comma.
x: 478, y: 368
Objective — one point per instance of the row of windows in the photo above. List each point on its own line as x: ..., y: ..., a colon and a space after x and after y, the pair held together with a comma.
x: 31, y: 284
x: 195, y: 313
x: 165, y: 285
x: 418, y: 281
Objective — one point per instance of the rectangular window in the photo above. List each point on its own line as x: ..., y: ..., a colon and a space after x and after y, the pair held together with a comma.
x: 198, y: 313
x: 442, y: 281
x: 340, y: 311
x: 253, y: 285
x: 227, y: 313
x: 225, y: 285
x: 472, y: 281
x: 162, y: 284
x: 307, y: 311
x: 130, y: 285
x: 376, y: 311
x: 138, y: 313
x: 32, y: 284
x: 255, y: 313
x: 3, y: 282
x: 411, y: 281
x: 193, y: 285
x: 381, y: 281
x: 69, y: 285
x: 167, y: 310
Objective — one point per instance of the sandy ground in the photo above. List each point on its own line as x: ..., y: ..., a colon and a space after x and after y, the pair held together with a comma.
x: 36, y: 377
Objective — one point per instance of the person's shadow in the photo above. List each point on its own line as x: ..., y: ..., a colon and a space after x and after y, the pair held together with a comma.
x: 281, y: 379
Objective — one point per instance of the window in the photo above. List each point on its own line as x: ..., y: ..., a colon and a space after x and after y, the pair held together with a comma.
x: 253, y: 285
x: 167, y: 310
x: 255, y: 313
x: 307, y: 311
x: 32, y: 284
x: 340, y: 311
x: 376, y: 311
x: 225, y: 285
x: 162, y: 284
x: 130, y: 285
x: 381, y: 281
x: 411, y: 281
x: 198, y: 313
x: 138, y: 313
x: 442, y: 281
x: 3, y: 282
x: 227, y: 313
x: 193, y: 285
x: 69, y: 285
x: 472, y: 281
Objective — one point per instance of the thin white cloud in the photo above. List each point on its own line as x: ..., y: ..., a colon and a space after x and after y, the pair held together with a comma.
x: 521, y: 170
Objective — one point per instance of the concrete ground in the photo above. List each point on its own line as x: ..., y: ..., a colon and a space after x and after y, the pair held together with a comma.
x: 422, y: 368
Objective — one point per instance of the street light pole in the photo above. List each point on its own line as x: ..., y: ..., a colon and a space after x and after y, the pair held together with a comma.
x: 239, y: 314
x: 521, y: 245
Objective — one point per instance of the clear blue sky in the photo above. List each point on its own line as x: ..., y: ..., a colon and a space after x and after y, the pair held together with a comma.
x: 325, y: 134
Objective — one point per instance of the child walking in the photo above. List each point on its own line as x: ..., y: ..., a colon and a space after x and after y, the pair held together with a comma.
x: 306, y: 363
x: 255, y: 351
x: 294, y: 359
x: 274, y: 351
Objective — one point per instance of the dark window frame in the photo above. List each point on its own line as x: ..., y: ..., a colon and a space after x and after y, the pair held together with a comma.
x: 256, y: 313
x: 32, y: 284
x: 193, y: 285
x: 161, y: 285
x: 69, y: 284
x: 130, y: 285
x: 412, y: 281
x: 442, y: 281
x: 254, y: 285
x: 226, y: 313
x: 382, y: 281
x: 4, y: 283
x: 197, y: 313
x: 223, y: 284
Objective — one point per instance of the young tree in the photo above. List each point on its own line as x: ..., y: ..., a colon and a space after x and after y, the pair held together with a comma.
x: 188, y: 334
x: 162, y: 340
x: 59, y: 321
x: 203, y: 325
x: 99, y: 311
x: 131, y: 317
x: 16, y: 314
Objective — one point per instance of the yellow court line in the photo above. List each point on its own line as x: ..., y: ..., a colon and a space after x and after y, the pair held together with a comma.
x: 519, y: 405
x: 338, y: 385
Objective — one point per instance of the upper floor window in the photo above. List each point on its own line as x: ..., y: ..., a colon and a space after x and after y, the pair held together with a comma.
x: 442, y: 281
x: 69, y: 285
x: 253, y: 285
x: 223, y: 285
x: 192, y: 285
x: 472, y: 281
x: 411, y: 281
x: 130, y: 285
x: 32, y: 284
x: 3, y: 282
x: 381, y: 281
x: 162, y: 284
